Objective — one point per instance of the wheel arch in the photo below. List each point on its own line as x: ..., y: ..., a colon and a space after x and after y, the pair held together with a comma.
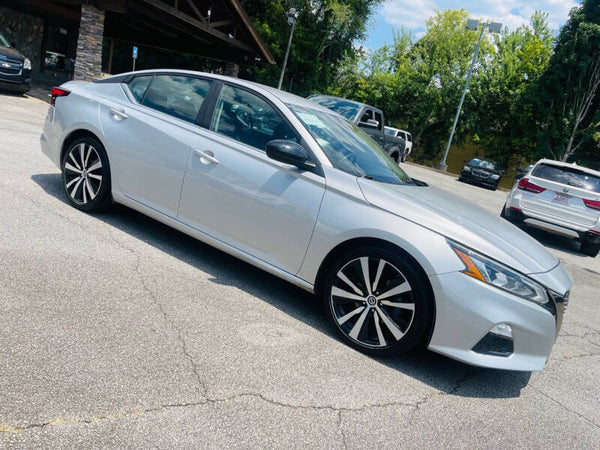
x: 78, y: 134
x: 350, y: 244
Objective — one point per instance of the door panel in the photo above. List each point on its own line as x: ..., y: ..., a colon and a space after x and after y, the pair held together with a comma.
x: 262, y: 207
x: 242, y: 197
x: 149, y: 144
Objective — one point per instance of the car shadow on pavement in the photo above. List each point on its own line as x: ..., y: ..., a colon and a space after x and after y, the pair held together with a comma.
x: 442, y: 373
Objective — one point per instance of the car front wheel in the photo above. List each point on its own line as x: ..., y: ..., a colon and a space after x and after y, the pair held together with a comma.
x: 378, y: 301
x: 86, y: 175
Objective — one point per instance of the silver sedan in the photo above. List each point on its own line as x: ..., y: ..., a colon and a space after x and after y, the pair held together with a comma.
x: 297, y: 190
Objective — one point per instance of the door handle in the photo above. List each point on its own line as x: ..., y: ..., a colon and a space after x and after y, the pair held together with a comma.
x: 206, y: 155
x: 118, y: 113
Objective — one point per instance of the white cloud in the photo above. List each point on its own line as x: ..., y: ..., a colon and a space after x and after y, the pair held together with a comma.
x: 511, y: 13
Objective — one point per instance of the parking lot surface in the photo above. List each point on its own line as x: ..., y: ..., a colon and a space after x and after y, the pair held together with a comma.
x: 117, y: 331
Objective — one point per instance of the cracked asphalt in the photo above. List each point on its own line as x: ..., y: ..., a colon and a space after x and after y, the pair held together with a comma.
x: 116, y: 331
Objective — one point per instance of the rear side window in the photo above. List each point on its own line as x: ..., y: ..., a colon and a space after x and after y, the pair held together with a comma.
x: 569, y: 176
x: 379, y: 119
x: 138, y: 86
x: 409, y: 136
x: 177, y: 96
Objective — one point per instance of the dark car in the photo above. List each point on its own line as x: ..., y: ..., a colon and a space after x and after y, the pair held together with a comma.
x: 481, y: 171
x: 15, y: 69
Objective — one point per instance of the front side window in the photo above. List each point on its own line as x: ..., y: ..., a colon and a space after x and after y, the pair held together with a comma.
x: 249, y: 119
x: 349, y: 148
x: 178, y: 96
x: 569, y: 176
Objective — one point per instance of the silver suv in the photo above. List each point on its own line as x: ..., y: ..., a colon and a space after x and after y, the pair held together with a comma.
x: 560, y: 198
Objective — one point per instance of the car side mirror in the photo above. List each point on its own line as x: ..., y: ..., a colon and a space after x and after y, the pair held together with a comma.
x: 370, y: 123
x: 289, y: 152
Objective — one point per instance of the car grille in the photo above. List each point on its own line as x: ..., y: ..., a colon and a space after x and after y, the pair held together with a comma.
x: 480, y: 173
x: 10, y: 67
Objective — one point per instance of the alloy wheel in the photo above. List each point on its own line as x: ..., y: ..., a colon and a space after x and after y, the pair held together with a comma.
x: 372, y: 302
x: 83, y: 173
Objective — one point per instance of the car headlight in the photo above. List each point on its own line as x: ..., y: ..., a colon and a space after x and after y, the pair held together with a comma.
x: 495, y: 177
x: 27, y: 64
x: 466, y: 169
x: 500, y: 276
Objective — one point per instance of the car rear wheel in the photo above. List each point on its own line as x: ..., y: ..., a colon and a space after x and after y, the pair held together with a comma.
x: 378, y: 302
x: 590, y: 248
x: 86, y: 175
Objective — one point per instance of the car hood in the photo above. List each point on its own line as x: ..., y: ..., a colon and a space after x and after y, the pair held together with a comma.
x: 461, y: 221
x: 11, y: 53
x: 484, y: 169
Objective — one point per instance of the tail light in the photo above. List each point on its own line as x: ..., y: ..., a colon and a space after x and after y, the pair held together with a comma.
x: 594, y: 204
x: 527, y: 186
x: 58, y: 92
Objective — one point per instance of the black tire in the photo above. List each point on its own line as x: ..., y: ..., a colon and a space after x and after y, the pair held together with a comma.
x: 461, y: 179
x: 590, y: 248
x: 86, y: 176
x: 503, y: 213
x: 372, y: 325
x: 395, y: 157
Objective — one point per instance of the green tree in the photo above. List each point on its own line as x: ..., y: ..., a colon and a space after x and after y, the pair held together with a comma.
x: 325, y: 32
x: 504, y: 109
x: 568, y: 92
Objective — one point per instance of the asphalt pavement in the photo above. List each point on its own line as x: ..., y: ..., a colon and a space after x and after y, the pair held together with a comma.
x: 119, y: 332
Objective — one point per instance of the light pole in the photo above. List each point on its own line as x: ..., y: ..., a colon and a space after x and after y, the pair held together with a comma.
x: 472, y: 24
x: 292, y: 16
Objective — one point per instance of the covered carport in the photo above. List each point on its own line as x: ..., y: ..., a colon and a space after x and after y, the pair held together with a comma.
x: 218, y: 30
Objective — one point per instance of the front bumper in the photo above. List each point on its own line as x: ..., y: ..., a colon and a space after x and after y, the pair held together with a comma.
x: 470, y: 178
x: 467, y: 309
x: 20, y: 82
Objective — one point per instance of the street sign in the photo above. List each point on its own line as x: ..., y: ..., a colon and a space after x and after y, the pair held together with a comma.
x: 135, y: 52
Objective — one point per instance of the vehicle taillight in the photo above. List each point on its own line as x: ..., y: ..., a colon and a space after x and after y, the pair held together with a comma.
x: 594, y: 204
x: 58, y: 92
x: 527, y: 186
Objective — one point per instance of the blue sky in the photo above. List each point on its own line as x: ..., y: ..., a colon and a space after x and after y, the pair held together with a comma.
x: 411, y: 14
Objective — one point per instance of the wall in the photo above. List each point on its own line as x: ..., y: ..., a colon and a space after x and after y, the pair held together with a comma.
x: 25, y: 31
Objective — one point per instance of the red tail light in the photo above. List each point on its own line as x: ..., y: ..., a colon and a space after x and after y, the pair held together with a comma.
x: 527, y: 186
x: 594, y: 204
x: 58, y: 92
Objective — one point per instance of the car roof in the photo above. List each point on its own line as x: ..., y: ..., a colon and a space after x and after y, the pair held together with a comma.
x: 553, y: 162
x: 285, y: 97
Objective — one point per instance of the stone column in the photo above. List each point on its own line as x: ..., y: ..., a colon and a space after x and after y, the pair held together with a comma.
x: 88, y: 62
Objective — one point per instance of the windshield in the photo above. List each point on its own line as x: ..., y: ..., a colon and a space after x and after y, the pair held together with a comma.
x: 345, y: 108
x: 569, y: 176
x: 4, y: 42
x: 348, y: 148
x: 484, y: 164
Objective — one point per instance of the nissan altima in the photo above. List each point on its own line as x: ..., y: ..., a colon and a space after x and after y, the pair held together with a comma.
x: 300, y: 192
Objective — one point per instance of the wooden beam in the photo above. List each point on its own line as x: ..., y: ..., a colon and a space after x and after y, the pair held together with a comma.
x: 169, y: 22
x: 221, y: 23
x: 201, y: 26
x: 196, y: 11
x: 53, y: 8
x: 250, y: 27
